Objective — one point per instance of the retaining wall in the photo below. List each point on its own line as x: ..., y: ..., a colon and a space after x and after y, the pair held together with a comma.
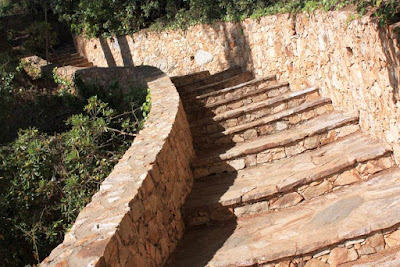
x: 135, y: 219
x: 353, y: 61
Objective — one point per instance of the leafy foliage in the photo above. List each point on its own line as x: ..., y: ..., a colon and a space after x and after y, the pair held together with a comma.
x: 45, y: 180
x: 119, y: 17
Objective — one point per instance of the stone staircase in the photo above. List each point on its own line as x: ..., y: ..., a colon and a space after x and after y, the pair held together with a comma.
x: 68, y: 56
x: 282, y: 179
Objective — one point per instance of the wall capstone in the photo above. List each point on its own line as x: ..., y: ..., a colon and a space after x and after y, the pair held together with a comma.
x: 135, y: 218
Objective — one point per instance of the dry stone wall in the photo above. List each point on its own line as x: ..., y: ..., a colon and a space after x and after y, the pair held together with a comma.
x: 135, y: 219
x: 353, y: 61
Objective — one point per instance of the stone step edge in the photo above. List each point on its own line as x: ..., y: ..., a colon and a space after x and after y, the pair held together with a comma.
x: 184, y: 80
x: 195, y: 106
x: 270, y: 192
x: 321, y: 178
x: 193, y: 91
x: 274, y: 117
x: 239, y: 86
x: 347, y: 252
x: 364, y: 237
x: 258, y: 91
x: 234, y: 113
x: 261, y: 147
x: 235, y: 70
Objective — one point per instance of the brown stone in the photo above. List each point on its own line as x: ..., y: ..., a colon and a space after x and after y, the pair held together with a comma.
x: 316, y: 263
x: 342, y: 255
x: 287, y: 201
x: 313, y: 191
x: 346, y: 178
x: 372, y: 245
x: 393, y: 239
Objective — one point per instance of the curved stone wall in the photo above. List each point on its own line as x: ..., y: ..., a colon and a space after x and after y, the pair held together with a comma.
x: 353, y: 61
x: 135, y: 218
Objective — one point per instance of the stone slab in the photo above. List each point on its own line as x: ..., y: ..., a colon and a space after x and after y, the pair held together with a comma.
x: 334, y: 218
x: 266, y: 180
x: 318, y: 125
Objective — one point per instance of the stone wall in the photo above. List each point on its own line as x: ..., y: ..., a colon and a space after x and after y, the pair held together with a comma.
x: 135, y: 219
x: 351, y: 60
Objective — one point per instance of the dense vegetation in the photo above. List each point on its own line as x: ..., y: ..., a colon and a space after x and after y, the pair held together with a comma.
x: 68, y: 142
x: 119, y: 17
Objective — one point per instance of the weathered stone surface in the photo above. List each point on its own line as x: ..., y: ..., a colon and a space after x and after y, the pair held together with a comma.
x: 316, y: 263
x: 342, y: 255
x: 393, y: 239
x: 287, y: 200
x: 202, y: 57
x: 251, y: 184
x: 321, y: 222
x: 347, y: 177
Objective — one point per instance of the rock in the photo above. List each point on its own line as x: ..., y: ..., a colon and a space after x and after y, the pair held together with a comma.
x: 249, y: 134
x: 237, y: 164
x: 252, y: 209
x: 318, y: 190
x: 287, y: 201
x: 202, y: 57
x: 372, y: 245
x: 33, y: 66
x: 393, y: 239
x: 342, y: 255
x: 348, y: 177
x: 316, y: 263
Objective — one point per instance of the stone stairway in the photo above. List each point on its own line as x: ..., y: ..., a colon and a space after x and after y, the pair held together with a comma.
x: 281, y: 179
x: 68, y: 56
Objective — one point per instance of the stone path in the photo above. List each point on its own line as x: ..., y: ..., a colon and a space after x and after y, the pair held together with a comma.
x: 282, y: 179
x: 68, y: 56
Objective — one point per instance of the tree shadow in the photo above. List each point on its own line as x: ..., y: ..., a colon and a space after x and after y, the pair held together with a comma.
x: 236, y: 47
x: 125, y: 50
x: 107, y: 53
x: 389, y: 37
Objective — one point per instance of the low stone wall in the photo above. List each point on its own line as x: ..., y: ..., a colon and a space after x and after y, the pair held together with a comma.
x: 353, y: 61
x: 135, y: 219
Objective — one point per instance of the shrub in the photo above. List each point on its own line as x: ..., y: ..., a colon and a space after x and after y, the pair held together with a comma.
x: 45, y: 180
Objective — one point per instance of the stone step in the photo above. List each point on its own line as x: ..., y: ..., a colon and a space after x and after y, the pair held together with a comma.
x: 215, y: 78
x: 338, y: 227
x: 74, y: 62
x: 180, y: 81
x: 251, y: 112
x: 236, y: 96
x: 59, y: 58
x: 190, y: 93
x: 311, y: 134
x: 280, y: 121
x: 287, y: 182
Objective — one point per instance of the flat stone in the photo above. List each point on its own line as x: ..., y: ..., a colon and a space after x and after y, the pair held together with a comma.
x: 287, y: 200
x: 334, y: 218
x: 202, y: 57
x: 393, y: 239
x: 346, y: 178
x: 342, y: 255
x: 285, y: 174
x: 318, y: 190
x: 372, y: 245
x: 316, y: 263
x: 320, y: 124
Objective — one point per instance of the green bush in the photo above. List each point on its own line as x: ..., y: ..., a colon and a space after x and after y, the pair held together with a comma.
x: 119, y: 17
x: 45, y: 180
